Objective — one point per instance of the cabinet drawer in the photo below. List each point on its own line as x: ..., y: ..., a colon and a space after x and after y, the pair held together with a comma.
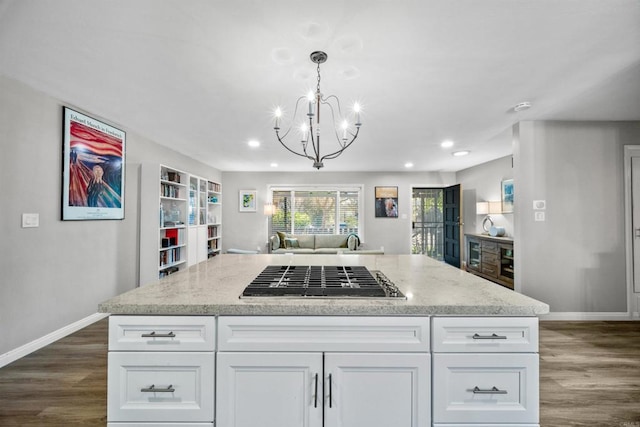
x: 486, y: 425
x: 485, y: 388
x: 172, y: 386
x: 162, y: 333
x: 488, y: 246
x: 489, y: 258
x: 162, y: 425
x: 490, y: 269
x: 299, y: 333
x: 485, y: 334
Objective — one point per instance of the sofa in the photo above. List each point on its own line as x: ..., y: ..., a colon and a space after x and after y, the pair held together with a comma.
x: 282, y: 243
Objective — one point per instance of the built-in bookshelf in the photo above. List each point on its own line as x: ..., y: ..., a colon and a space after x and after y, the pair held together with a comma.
x: 180, y: 221
x: 214, y: 221
x: 172, y: 241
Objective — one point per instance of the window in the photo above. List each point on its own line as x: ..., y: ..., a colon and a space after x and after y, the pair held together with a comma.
x: 306, y: 210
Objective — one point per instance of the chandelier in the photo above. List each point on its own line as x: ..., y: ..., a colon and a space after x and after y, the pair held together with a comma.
x: 310, y: 133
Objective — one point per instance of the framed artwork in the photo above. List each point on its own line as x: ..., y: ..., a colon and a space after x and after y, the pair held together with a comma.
x: 386, y: 202
x: 248, y: 200
x: 507, y: 196
x: 93, y: 168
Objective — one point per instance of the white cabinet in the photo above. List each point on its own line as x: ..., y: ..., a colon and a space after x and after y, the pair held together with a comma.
x: 161, y: 369
x: 292, y: 389
x: 485, y: 370
x: 377, y: 389
x: 269, y: 389
x: 323, y: 371
x: 300, y: 368
x: 160, y: 386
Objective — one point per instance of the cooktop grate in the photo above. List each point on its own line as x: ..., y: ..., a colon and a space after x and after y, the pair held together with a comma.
x: 321, y: 281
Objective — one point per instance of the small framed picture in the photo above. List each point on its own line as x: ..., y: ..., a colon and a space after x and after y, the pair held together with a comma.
x: 507, y: 196
x: 386, y: 202
x: 247, y: 200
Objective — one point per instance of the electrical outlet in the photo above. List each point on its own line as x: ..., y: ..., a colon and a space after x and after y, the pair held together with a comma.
x: 539, y: 216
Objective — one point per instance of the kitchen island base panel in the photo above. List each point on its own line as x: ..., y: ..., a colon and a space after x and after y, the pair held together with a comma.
x: 333, y: 376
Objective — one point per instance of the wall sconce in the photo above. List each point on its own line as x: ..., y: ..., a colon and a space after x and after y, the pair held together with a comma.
x: 486, y: 208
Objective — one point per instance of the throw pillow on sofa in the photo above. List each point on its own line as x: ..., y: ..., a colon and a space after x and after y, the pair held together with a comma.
x: 291, y: 242
x: 275, y: 242
x: 353, y: 241
x: 282, y: 236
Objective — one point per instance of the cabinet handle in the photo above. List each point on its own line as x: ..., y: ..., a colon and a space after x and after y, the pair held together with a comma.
x: 153, y: 389
x: 489, y: 337
x: 154, y: 335
x: 492, y: 390
x: 315, y: 393
x: 330, y: 398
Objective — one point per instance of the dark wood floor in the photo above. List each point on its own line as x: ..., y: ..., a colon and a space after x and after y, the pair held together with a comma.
x: 589, y: 376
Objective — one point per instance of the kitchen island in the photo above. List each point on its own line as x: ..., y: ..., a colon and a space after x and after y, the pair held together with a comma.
x: 459, y: 350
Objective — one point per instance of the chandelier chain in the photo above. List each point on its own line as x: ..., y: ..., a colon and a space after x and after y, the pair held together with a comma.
x: 318, y: 87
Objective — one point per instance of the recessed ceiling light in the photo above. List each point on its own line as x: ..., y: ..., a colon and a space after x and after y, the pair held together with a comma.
x: 447, y: 143
x: 408, y: 165
x: 274, y: 165
x: 254, y: 143
x: 461, y: 153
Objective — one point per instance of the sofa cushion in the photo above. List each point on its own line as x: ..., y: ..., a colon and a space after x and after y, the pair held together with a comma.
x: 295, y: 251
x: 330, y: 241
x: 305, y: 240
x: 281, y: 236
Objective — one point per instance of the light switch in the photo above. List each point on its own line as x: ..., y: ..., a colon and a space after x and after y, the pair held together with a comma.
x: 539, y: 216
x: 539, y: 204
x: 30, y: 220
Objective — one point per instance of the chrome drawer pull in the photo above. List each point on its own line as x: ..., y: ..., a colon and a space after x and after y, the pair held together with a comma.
x: 493, y: 390
x: 154, y: 335
x: 315, y: 394
x: 153, y: 389
x: 489, y: 337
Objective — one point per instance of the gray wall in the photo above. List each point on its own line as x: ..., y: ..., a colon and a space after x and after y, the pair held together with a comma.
x: 575, y: 260
x: 484, y: 183
x: 248, y: 230
x: 57, y: 274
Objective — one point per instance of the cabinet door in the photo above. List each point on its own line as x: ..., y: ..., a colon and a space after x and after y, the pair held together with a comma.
x: 377, y: 389
x: 269, y: 390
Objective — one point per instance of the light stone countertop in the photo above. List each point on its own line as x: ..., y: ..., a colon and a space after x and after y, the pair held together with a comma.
x: 213, y: 288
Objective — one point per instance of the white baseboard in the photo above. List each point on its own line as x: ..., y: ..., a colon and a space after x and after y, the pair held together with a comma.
x: 593, y: 316
x: 15, y: 354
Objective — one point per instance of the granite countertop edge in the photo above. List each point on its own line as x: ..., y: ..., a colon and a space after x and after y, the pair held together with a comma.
x: 212, y: 288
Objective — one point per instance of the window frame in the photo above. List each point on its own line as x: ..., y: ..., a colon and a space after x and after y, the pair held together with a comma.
x: 359, y: 188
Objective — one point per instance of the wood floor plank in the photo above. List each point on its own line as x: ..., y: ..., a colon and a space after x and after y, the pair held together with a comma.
x: 589, y: 376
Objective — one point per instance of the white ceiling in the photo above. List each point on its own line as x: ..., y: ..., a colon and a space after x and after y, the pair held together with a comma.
x: 205, y: 76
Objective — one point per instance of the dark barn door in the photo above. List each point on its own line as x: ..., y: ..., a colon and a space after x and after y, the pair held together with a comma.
x: 452, y: 225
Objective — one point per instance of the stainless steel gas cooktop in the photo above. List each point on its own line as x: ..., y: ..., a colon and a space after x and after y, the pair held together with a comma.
x: 295, y: 281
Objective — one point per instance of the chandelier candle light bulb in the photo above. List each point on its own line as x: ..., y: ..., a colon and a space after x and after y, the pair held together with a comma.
x: 311, y: 140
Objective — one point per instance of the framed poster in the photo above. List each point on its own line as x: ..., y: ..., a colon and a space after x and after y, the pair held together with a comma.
x: 507, y: 196
x: 386, y: 202
x: 93, y: 164
x: 247, y: 200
